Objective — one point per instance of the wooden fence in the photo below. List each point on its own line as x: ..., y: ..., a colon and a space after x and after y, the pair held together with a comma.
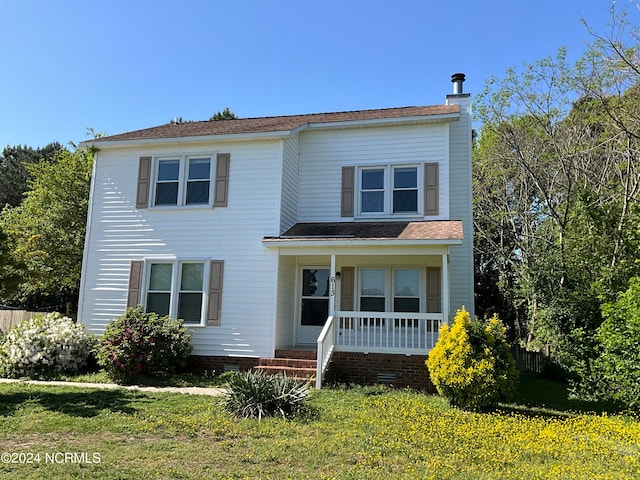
x: 11, y: 318
x: 530, y: 361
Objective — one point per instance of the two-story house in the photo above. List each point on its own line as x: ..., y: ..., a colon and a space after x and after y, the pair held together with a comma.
x: 347, y: 232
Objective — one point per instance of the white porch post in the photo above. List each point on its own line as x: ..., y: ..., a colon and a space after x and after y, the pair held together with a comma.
x: 332, y: 285
x: 445, y: 286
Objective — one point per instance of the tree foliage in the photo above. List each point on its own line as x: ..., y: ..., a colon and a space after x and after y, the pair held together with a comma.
x: 14, y: 173
x: 226, y: 114
x: 45, y: 233
x: 556, y: 192
x: 619, y: 337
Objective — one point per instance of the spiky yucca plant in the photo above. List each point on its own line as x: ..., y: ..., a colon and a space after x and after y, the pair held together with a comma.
x: 257, y: 395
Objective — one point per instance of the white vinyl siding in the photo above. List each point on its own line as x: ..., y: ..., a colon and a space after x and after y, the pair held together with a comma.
x: 324, y: 153
x: 461, y: 258
x: 289, y: 199
x: 118, y: 234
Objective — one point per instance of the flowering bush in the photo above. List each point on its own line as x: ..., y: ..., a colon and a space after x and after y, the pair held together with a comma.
x: 471, y: 364
x: 45, y: 345
x: 143, y: 344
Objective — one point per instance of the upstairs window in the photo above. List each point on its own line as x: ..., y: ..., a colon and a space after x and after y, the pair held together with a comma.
x: 183, y: 181
x: 389, y: 190
x: 405, y: 190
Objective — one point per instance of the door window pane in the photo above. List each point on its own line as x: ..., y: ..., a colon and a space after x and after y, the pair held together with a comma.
x: 315, y: 311
x: 315, y: 282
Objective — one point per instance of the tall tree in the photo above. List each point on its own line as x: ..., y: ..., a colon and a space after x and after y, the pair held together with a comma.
x: 557, y: 189
x: 45, y: 233
x: 14, y: 175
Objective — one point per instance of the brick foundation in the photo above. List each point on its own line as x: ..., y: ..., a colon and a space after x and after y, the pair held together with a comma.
x: 379, y: 368
x: 345, y: 367
x: 200, y: 363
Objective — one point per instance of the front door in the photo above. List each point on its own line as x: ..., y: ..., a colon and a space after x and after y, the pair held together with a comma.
x: 314, y: 305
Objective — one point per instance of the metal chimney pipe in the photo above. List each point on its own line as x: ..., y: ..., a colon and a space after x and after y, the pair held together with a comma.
x: 457, y: 79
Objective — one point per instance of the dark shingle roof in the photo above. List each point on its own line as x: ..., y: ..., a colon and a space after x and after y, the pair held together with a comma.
x: 272, y: 124
x: 424, y: 230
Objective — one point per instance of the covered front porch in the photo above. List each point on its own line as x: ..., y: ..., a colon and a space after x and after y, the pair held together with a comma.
x: 384, y: 291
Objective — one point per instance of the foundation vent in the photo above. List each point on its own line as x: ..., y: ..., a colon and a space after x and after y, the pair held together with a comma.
x: 386, y: 377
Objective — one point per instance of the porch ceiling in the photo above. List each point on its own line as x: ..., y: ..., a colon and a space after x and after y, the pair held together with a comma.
x: 445, y: 232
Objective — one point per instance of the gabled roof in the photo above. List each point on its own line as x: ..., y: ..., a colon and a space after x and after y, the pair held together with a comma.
x: 263, y: 125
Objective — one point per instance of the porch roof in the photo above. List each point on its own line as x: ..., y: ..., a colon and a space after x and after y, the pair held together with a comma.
x: 432, y: 232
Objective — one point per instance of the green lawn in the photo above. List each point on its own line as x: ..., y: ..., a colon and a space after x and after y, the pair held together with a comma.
x: 354, y: 434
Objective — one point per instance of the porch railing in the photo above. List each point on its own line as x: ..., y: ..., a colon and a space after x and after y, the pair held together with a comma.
x: 377, y: 332
x: 386, y: 332
x: 326, y: 346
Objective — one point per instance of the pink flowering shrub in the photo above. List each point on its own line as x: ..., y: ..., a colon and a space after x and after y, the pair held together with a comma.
x: 44, y: 346
x: 139, y: 344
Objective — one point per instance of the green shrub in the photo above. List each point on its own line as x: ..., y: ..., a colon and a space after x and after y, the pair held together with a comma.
x: 139, y: 344
x: 619, y: 339
x: 471, y: 364
x: 257, y: 395
x: 43, y: 346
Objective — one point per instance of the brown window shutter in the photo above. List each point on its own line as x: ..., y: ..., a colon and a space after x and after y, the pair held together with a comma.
x: 347, y: 294
x: 431, y: 189
x: 346, y: 203
x: 135, y: 284
x: 144, y: 182
x: 215, y: 292
x: 222, y: 179
x: 434, y: 289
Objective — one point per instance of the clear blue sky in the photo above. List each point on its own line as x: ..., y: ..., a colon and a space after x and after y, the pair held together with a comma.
x: 121, y: 65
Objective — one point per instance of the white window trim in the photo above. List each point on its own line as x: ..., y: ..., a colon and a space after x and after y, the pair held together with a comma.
x: 183, y: 180
x: 175, y: 285
x: 388, y: 190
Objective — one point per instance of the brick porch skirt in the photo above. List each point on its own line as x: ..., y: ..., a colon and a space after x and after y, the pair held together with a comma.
x: 380, y: 368
x: 345, y: 367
